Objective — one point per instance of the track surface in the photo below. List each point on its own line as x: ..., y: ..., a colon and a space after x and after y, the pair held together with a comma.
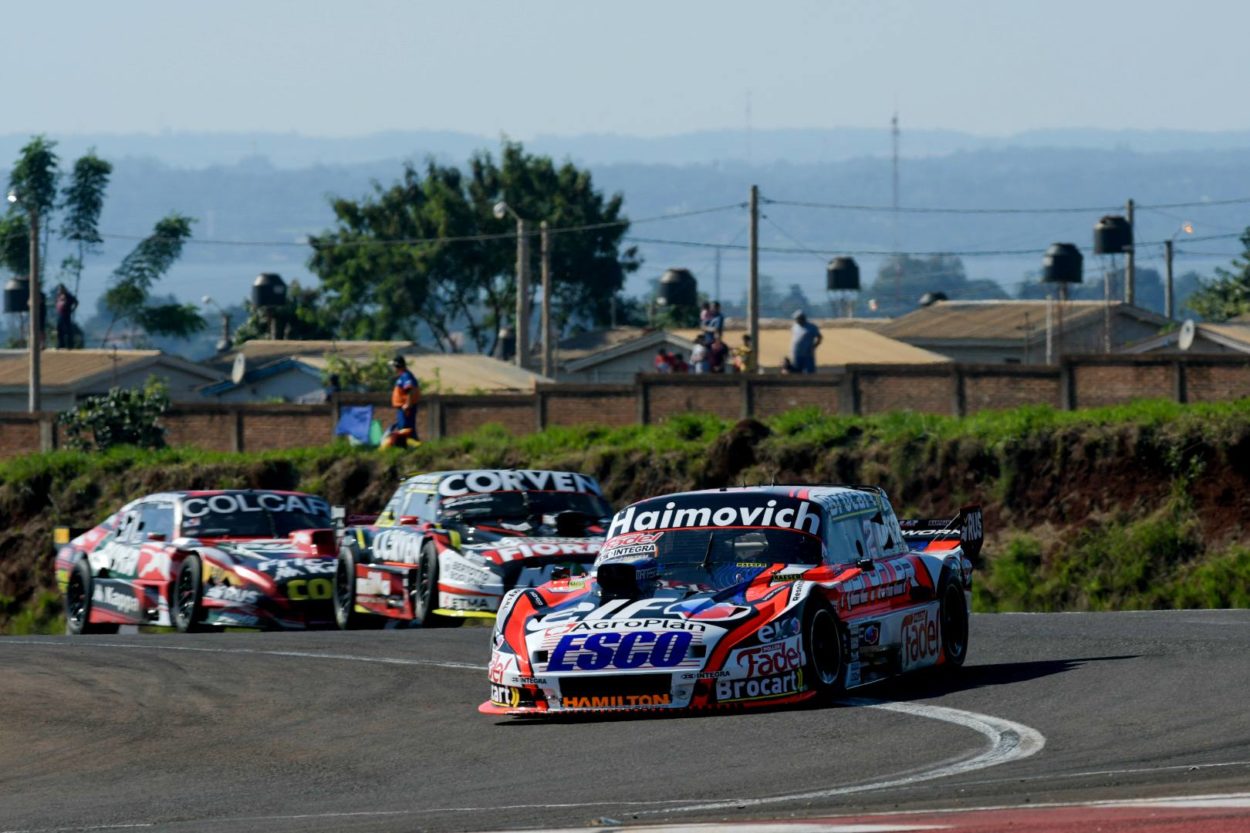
x: 377, y: 731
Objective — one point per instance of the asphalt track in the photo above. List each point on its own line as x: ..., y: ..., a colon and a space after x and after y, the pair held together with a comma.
x: 378, y: 731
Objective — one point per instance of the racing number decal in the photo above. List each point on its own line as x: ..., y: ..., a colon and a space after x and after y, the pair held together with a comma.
x: 303, y: 589
x: 920, y: 639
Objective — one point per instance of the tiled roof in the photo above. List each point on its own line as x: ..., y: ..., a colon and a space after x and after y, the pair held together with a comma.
x: 72, y: 368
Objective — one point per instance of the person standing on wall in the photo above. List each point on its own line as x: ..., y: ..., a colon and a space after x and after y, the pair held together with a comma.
x: 404, y: 397
x: 66, y: 303
x: 805, y: 337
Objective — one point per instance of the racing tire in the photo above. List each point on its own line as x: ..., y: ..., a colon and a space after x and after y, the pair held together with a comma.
x: 425, y: 592
x: 345, y: 613
x: 186, y: 606
x: 78, y: 603
x: 824, y: 645
x: 953, y: 620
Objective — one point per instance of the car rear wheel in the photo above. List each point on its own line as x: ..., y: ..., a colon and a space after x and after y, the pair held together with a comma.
x: 78, y: 603
x: 953, y: 616
x: 825, y: 649
x: 425, y: 593
x: 189, y: 595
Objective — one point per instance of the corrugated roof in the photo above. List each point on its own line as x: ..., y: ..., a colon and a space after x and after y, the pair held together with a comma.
x: 460, y: 373
x: 1233, y: 331
x: 585, y: 344
x: 71, y: 368
x: 997, y: 320
x: 839, y: 346
x: 262, y: 350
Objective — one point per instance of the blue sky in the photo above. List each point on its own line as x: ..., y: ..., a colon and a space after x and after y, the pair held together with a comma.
x: 642, y: 67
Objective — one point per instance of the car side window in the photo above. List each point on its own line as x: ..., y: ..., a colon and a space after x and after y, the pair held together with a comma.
x: 156, y: 519
x: 420, y: 504
x: 128, y: 529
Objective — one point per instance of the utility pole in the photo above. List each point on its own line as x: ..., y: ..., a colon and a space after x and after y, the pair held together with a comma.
x: 716, y: 279
x: 753, y: 275
x: 1167, y: 279
x: 522, y: 292
x: 545, y: 246
x: 898, y: 271
x: 1130, y: 273
x: 35, y: 303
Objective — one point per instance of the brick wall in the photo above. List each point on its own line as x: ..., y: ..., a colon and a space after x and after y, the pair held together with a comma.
x: 577, y: 405
x: 998, y: 387
x: 906, y: 389
x: 1209, y: 382
x: 771, y: 396
x: 668, y: 396
x: 1083, y: 381
x: 1110, y: 383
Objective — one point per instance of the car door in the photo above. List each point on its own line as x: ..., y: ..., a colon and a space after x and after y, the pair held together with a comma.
x: 119, y: 555
x: 153, y: 533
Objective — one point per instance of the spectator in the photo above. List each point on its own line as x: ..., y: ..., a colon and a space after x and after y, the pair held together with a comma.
x: 744, y: 356
x: 698, y: 356
x: 679, y: 364
x: 705, y: 312
x: 66, y: 303
x: 404, y: 397
x: 805, y: 337
x: 716, y: 321
x: 717, y: 353
x: 663, y: 361
x: 786, y: 366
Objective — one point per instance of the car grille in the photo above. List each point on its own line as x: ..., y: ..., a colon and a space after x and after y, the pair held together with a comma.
x: 616, y: 684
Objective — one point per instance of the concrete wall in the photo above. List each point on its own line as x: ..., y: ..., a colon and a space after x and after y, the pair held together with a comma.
x: 1080, y: 382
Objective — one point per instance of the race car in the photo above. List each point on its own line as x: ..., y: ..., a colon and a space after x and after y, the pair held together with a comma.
x: 449, y: 544
x: 737, y: 598
x: 202, y: 560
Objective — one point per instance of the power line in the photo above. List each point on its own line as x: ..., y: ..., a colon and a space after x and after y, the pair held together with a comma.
x: 952, y: 210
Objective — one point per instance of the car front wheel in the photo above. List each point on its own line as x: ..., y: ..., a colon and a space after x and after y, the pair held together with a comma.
x: 189, y: 595
x: 824, y: 648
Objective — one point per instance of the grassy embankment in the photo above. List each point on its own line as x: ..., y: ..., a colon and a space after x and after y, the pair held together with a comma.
x: 1141, y: 506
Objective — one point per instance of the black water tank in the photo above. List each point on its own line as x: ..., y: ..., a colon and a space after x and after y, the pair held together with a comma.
x: 678, y: 288
x: 1112, y: 235
x: 1062, y: 264
x: 17, y: 295
x: 268, y: 291
x: 505, y: 347
x: 842, y: 275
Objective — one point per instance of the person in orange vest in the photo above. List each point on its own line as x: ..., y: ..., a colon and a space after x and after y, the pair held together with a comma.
x: 404, y: 397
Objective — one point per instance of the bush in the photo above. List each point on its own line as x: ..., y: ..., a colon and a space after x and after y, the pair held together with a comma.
x: 120, y: 417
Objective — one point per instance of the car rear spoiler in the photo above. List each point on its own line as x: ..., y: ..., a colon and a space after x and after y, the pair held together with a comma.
x: 967, y: 529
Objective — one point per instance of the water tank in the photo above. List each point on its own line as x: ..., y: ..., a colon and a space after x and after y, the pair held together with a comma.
x: 930, y: 298
x: 268, y: 291
x: 678, y: 288
x: 1062, y: 264
x: 505, y: 347
x: 1112, y: 235
x: 842, y: 275
x: 17, y: 295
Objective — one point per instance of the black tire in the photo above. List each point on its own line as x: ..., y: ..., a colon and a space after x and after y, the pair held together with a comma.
x: 425, y: 592
x: 186, y: 606
x: 78, y: 602
x: 345, y: 613
x: 824, y: 646
x: 953, y: 621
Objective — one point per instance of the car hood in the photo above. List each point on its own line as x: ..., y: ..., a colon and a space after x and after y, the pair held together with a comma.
x: 271, y: 556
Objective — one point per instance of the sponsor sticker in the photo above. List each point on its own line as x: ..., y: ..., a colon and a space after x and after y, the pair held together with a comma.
x: 516, y: 480
x: 920, y: 639
x: 505, y: 695
x: 778, y: 685
x: 612, y: 649
x: 227, y: 503
x: 801, y: 515
x: 616, y: 701
x: 766, y: 660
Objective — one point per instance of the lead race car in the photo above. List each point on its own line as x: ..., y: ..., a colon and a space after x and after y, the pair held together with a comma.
x: 449, y: 544
x: 202, y: 559
x: 737, y: 598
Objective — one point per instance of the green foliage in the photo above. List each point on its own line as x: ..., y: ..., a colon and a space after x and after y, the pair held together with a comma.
x: 83, y: 199
x: 1227, y: 294
x: 378, y: 285
x: 120, y: 417
x: 35, y: 175
x: 129, y: 294
x: 372, y: 374
x: 15, y: 242
x: 903, y: 279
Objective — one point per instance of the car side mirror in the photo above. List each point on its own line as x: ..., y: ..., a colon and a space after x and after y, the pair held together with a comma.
x: 409, y: 520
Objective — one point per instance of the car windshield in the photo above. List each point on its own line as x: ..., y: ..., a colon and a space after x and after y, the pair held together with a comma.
x: 253, y: 524
x: 691, y: 555
x: 520, y: 506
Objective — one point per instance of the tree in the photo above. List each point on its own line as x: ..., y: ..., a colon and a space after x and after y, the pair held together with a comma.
x: 128, y: 297
x: 120, y: 417
x: 381, y: 285
x: 83, y: 199
x: 1227, y: 295
x: 903, y: 279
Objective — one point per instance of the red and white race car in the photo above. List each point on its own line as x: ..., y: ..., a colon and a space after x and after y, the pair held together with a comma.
x: 203, y: 559
x: 450, y: 543
x: 739, y: 598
